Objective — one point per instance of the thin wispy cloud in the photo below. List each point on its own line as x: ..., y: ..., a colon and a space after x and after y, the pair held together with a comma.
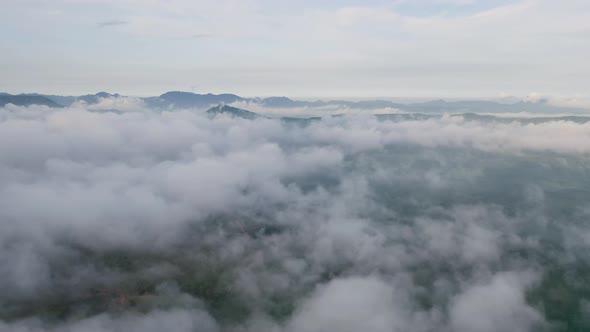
x: 201, y: 35
x: 110, y: 23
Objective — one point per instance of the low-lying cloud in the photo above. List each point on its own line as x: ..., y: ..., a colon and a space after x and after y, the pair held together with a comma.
x: 143, y: 220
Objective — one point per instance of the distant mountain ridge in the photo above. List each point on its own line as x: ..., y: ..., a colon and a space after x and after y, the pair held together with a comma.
x: 235, y: 112
x: 26, y: 100
x: 188, y: 100
x: 430, y: 110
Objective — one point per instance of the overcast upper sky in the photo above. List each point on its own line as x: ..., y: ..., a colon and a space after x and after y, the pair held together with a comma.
x: 304, y: 48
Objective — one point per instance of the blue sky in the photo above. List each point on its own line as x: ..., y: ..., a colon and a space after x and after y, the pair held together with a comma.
x: 322, y: 48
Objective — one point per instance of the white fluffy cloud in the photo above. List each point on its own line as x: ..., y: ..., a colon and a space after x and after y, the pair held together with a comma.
x: 354, y: 304
x: 498, y: 305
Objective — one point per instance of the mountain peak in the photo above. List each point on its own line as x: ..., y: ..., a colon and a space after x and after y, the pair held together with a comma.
x: 192, y: 100
x: 103, y: 94
x: 233, y: 112
x: 177, y: 94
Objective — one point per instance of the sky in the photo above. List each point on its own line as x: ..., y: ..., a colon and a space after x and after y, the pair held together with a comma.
x: 320, y: 48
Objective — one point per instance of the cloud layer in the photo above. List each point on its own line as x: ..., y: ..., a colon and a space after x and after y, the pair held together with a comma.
x: 136, y: 219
